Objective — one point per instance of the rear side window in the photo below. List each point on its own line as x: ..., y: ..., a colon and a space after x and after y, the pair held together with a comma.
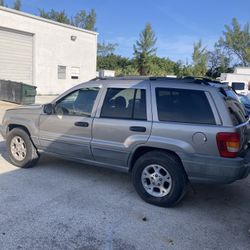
x: 124, y: 104
x: 183, y: 105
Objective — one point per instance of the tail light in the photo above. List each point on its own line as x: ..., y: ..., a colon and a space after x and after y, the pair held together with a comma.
x: 228, y: 144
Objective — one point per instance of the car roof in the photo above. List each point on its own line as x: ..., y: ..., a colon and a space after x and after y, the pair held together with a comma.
x: 191, y: 82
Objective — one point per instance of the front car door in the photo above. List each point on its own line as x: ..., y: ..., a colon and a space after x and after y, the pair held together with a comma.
x: 123, y: 121
x: 67, y: 131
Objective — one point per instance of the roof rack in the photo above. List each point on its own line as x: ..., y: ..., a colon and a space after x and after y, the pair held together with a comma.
x: 192, y: 79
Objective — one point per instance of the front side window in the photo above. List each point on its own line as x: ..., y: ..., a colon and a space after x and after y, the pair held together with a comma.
x: 125, y: 104
x: 183, y: 105
x: 78, y: 103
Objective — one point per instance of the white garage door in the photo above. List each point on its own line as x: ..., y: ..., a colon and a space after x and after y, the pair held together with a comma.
x: 16, y: 51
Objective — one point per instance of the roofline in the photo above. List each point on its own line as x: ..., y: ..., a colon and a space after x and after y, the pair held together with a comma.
x: 20, y: 13
x: 236, y: 74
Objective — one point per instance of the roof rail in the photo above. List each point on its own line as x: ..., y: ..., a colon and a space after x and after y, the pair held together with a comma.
x: 192, y: 79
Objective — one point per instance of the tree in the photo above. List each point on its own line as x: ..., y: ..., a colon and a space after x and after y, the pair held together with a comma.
x: 17, y: 5
x: 144, y: 49
x: 58, y: 16
x: 2, y: 3
x: 236, y: 40
x: 81, y: 19
x: 199, y: 57
x: 218, y: 62
x: 161, y: 66
x: 84, y: 20
x: 91, y: 21
x: 104, y: 49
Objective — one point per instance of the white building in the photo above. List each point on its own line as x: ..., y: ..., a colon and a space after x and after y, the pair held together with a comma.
x: 44, y: 53
x: 239, y: 80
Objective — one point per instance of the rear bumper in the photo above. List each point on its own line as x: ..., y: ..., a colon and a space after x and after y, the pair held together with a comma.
x: 207, y: 169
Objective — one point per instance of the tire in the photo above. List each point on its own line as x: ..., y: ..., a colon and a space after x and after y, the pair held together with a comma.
x: 159, y: 178
x: 22, y: 152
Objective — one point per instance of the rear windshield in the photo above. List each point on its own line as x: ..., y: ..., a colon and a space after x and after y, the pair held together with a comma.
x: 235, y: 108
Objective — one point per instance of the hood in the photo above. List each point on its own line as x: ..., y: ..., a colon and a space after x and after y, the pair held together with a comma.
x: 30, y: 109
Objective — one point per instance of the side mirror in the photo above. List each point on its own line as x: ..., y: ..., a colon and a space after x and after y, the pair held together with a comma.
x: 48, y: 109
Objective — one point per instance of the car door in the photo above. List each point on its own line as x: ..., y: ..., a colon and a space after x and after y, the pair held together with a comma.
x: 123, y: 122
x: 67, y: 131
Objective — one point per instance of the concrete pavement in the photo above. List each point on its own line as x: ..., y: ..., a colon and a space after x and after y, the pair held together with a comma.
x: 65, y: 205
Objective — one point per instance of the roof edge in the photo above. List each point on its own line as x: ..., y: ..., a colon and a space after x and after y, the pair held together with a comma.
x: 21, y: 13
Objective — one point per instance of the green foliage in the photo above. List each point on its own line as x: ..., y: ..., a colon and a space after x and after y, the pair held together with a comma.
x: 128, y: 67
x: 91, y: 21
x: 144, y: 49
x: 160, y: 66
x: 104, y: 49
x: 57, y: 16
x: 236, y: 40
x: 79, y: 19
x: 112, y: 62
x: 17, y: 5
x: 218, y: 62
x: 84, y: 20
x: 199, y: 59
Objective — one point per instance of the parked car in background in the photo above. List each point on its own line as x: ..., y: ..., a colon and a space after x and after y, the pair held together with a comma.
x: 165, y: 132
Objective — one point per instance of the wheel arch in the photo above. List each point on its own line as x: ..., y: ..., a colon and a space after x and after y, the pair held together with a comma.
x: 11, y: 126
x: 138, y: 152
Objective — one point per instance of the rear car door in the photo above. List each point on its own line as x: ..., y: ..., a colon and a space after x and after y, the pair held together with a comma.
x: 67, y: 131
x: 123, y: 121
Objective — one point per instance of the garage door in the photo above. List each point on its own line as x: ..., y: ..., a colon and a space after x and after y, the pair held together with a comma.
x: 16, y: 56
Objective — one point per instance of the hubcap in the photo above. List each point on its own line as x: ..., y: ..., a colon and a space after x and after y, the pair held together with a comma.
x: 156, y: 180
x: 18, y: 148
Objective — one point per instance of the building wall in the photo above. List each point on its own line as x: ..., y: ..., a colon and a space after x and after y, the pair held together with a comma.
x: 52, y: 46
x: 242, y: 70
x: 232, y: 77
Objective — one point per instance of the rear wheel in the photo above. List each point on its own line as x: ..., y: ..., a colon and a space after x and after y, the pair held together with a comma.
x: 22, y: 152
x: 159, y: 178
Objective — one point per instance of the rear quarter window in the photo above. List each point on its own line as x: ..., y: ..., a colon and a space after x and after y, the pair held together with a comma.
x: 235, y: 108
x: 184, y: 106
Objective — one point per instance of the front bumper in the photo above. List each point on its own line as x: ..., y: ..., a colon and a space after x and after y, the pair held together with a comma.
x: 2, y: 131
x: 207, y: 169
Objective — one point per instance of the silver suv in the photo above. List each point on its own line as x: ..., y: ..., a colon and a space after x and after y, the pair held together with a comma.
x: 166, y: 132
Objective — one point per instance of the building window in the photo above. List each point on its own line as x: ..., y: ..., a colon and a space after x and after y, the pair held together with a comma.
x: 75, y: 72
x: 61, y: 72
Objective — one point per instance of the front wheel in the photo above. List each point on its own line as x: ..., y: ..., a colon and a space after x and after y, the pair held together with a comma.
x: 159, y: 178
x: 22, y: 152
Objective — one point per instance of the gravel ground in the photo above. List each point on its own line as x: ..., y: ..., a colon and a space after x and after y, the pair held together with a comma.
x: 64, y: 205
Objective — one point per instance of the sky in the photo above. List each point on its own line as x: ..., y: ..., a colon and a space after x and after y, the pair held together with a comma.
x: 177, y: 23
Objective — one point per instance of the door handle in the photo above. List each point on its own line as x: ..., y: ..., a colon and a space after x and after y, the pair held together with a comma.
x: 137, y: 129
x: 82, y: 124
